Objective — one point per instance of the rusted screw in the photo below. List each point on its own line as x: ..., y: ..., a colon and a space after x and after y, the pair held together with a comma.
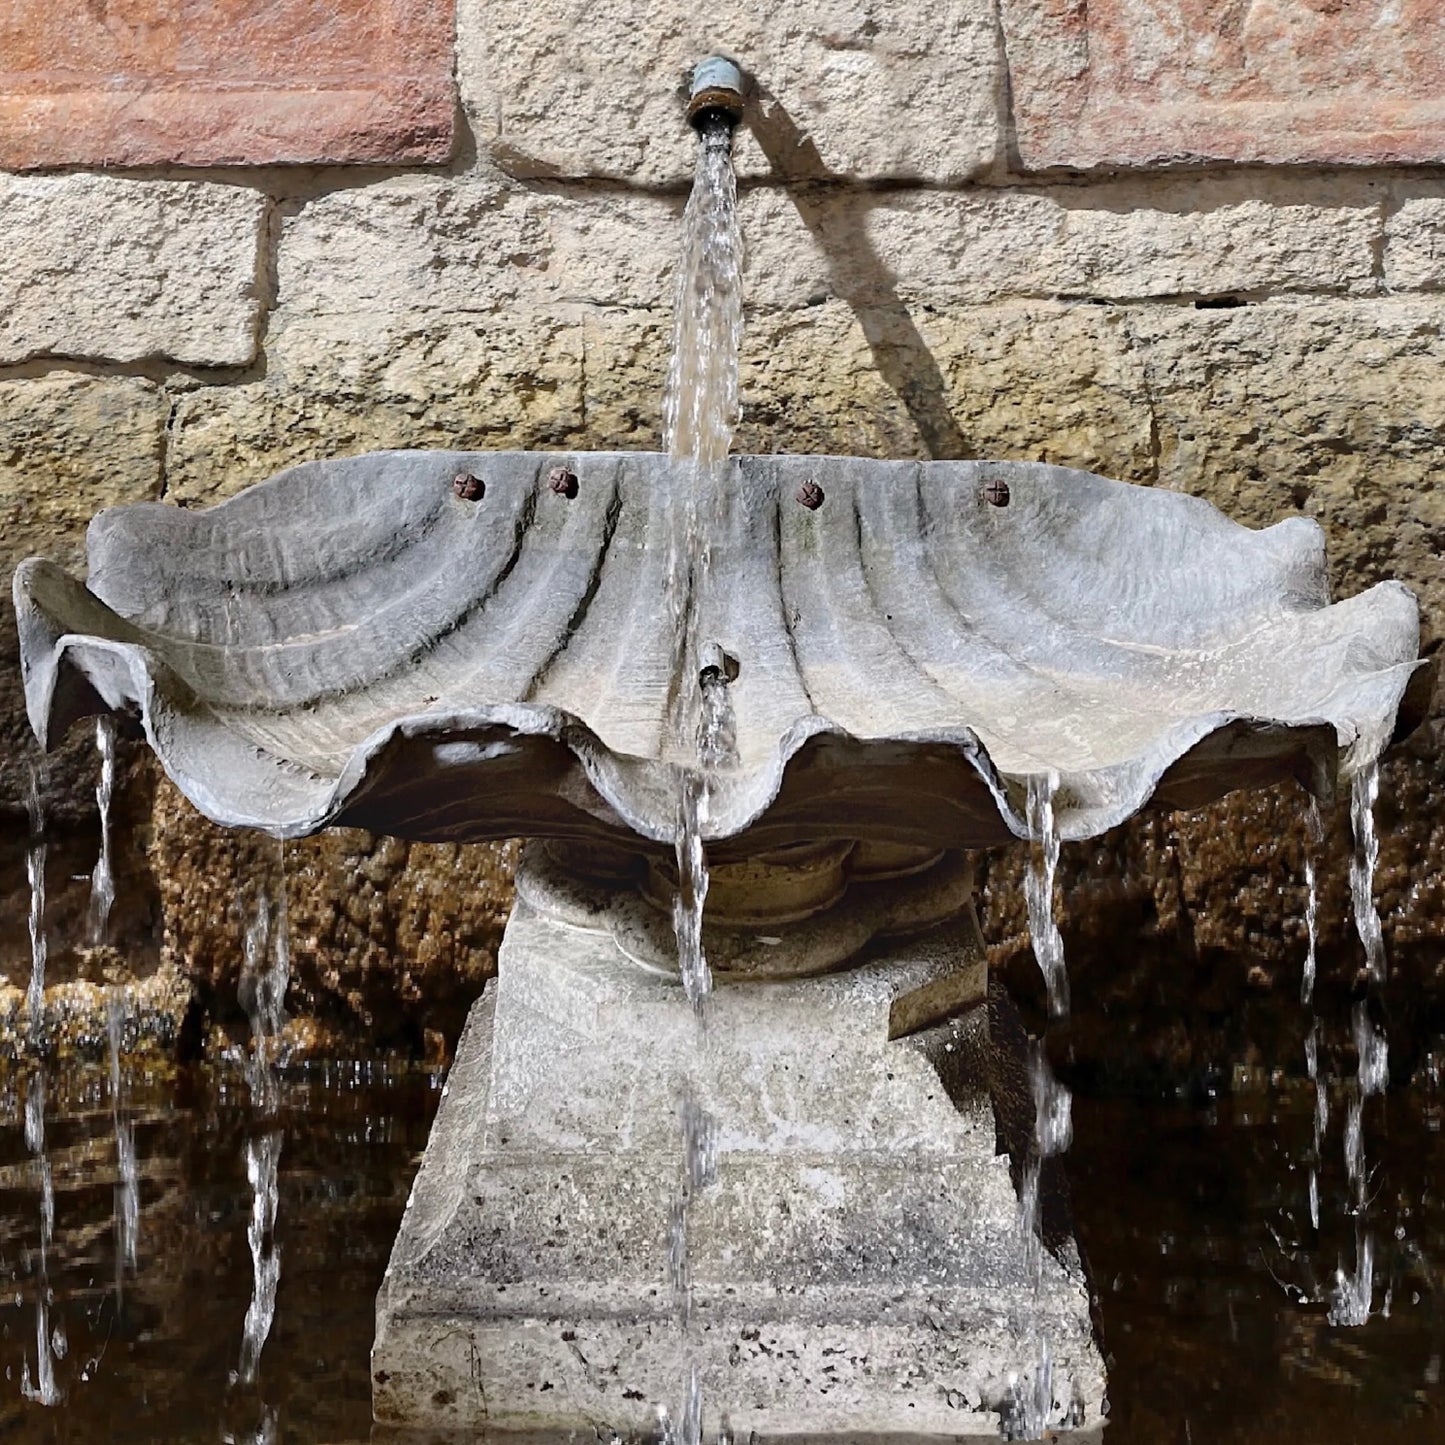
x: 563, y: 481
x: 810, y: 494
x: 996, y: 493
x: 468, y: 487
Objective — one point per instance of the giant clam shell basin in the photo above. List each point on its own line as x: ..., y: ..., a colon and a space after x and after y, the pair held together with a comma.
x: 355, y: 642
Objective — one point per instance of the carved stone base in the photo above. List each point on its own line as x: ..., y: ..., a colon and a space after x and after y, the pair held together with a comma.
x: 852, y: 1256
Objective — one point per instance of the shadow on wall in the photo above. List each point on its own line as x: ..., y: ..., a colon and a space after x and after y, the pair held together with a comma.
x: 862, y: 279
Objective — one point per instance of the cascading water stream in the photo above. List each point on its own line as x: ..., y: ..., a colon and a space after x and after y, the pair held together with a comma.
x: 1354, y: 1289
x: 265, y: 973
x: 1314, y: 836
x: 127, y: 1189
x: 49, y: 1343
x: 102, y: 880
x: 35, y: 870
x: 699, y: 413
x: 1031, y: 1413
x: 102, y: 898
x: 700, y: 406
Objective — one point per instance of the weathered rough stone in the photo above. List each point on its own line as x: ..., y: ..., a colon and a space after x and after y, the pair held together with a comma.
x: 419, y: 244
x: 1116, y: 242
x: 133, y: 85
x: 123, y: 270
x: 1415, y: 245
x: 389, y: 940
x: 852, y: 1220
x: 1131, y: 83
x: 69, y: 445
x: 1191, y: 926
x: 861, y: 91
x: 1333, y: 409
x: 1036, y: 381
x: 404, y: 381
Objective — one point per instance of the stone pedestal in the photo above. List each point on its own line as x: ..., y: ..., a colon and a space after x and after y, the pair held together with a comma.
x: 852, y: 1264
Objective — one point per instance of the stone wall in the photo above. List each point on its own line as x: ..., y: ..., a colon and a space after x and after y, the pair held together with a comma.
x: 1181, y: 248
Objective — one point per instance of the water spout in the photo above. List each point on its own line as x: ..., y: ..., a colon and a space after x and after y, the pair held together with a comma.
x: 716, y: 90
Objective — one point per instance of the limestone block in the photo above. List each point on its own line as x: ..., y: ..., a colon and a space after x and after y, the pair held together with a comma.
x: 1045, y: 382
x: 1034, y: 381
x: 1415, y: 246
x: 334, y: 388
x: 417, y: 244
x: 864, y: 91
x: 1130, y: 83
x: 121, y: 270
x: 69, y: 445
x: 1117, y: 241
x: 851, y: 1242
x: 1331, y: 408
x: 155, y: 84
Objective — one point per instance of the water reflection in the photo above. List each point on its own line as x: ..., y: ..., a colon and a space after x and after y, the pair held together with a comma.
x: 1213, y: 1288
x: 154, y: 1362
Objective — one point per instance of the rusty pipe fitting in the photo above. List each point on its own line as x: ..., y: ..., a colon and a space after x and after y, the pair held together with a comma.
x: 717, y: 89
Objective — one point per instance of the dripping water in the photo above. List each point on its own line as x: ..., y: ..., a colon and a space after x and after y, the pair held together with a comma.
x: 1029, y: 1409
x: 265, y: 973
x: 700, y: 405
x: 127, y: 1189
x: 49, y: 1342
x: 1364, y: 789
x: 1354, y: 1289
x: 1314, y: 836
x: 35, y: 871
x: 1048, y: 943
x: 102, y: 880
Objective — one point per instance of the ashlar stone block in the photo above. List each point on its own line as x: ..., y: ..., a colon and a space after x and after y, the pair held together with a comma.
x: 107, y: 269
x: 866, y: 91
x: 852, y: 1257
x: 1271, y: 82
x: 229, y: 82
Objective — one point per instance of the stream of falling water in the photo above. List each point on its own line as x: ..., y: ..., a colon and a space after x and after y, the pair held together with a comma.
x: 49, y: 1342
x: 266, y: 970
x: 700, y: 406
x: 35, y: 870
x: 1314, y: 836
x: 1354, y: 1288
x: 1032, y: 1398
x: 102, y: 880
x: 127, y: 1189
x: 102, y: 898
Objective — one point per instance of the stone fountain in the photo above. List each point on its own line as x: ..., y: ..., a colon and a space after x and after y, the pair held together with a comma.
x: 470, y: 646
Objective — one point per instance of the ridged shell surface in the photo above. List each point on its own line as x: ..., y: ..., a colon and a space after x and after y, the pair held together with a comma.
x: 352, y: 642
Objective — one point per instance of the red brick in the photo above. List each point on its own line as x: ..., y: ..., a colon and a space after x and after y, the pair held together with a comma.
x: 1152, y: 82
x: 224, y: 82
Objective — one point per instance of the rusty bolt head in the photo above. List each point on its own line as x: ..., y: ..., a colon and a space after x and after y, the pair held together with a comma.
x: 995, y: 493
x: 468, y: 487
x: 810, y: 494
x: 563, y: 481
